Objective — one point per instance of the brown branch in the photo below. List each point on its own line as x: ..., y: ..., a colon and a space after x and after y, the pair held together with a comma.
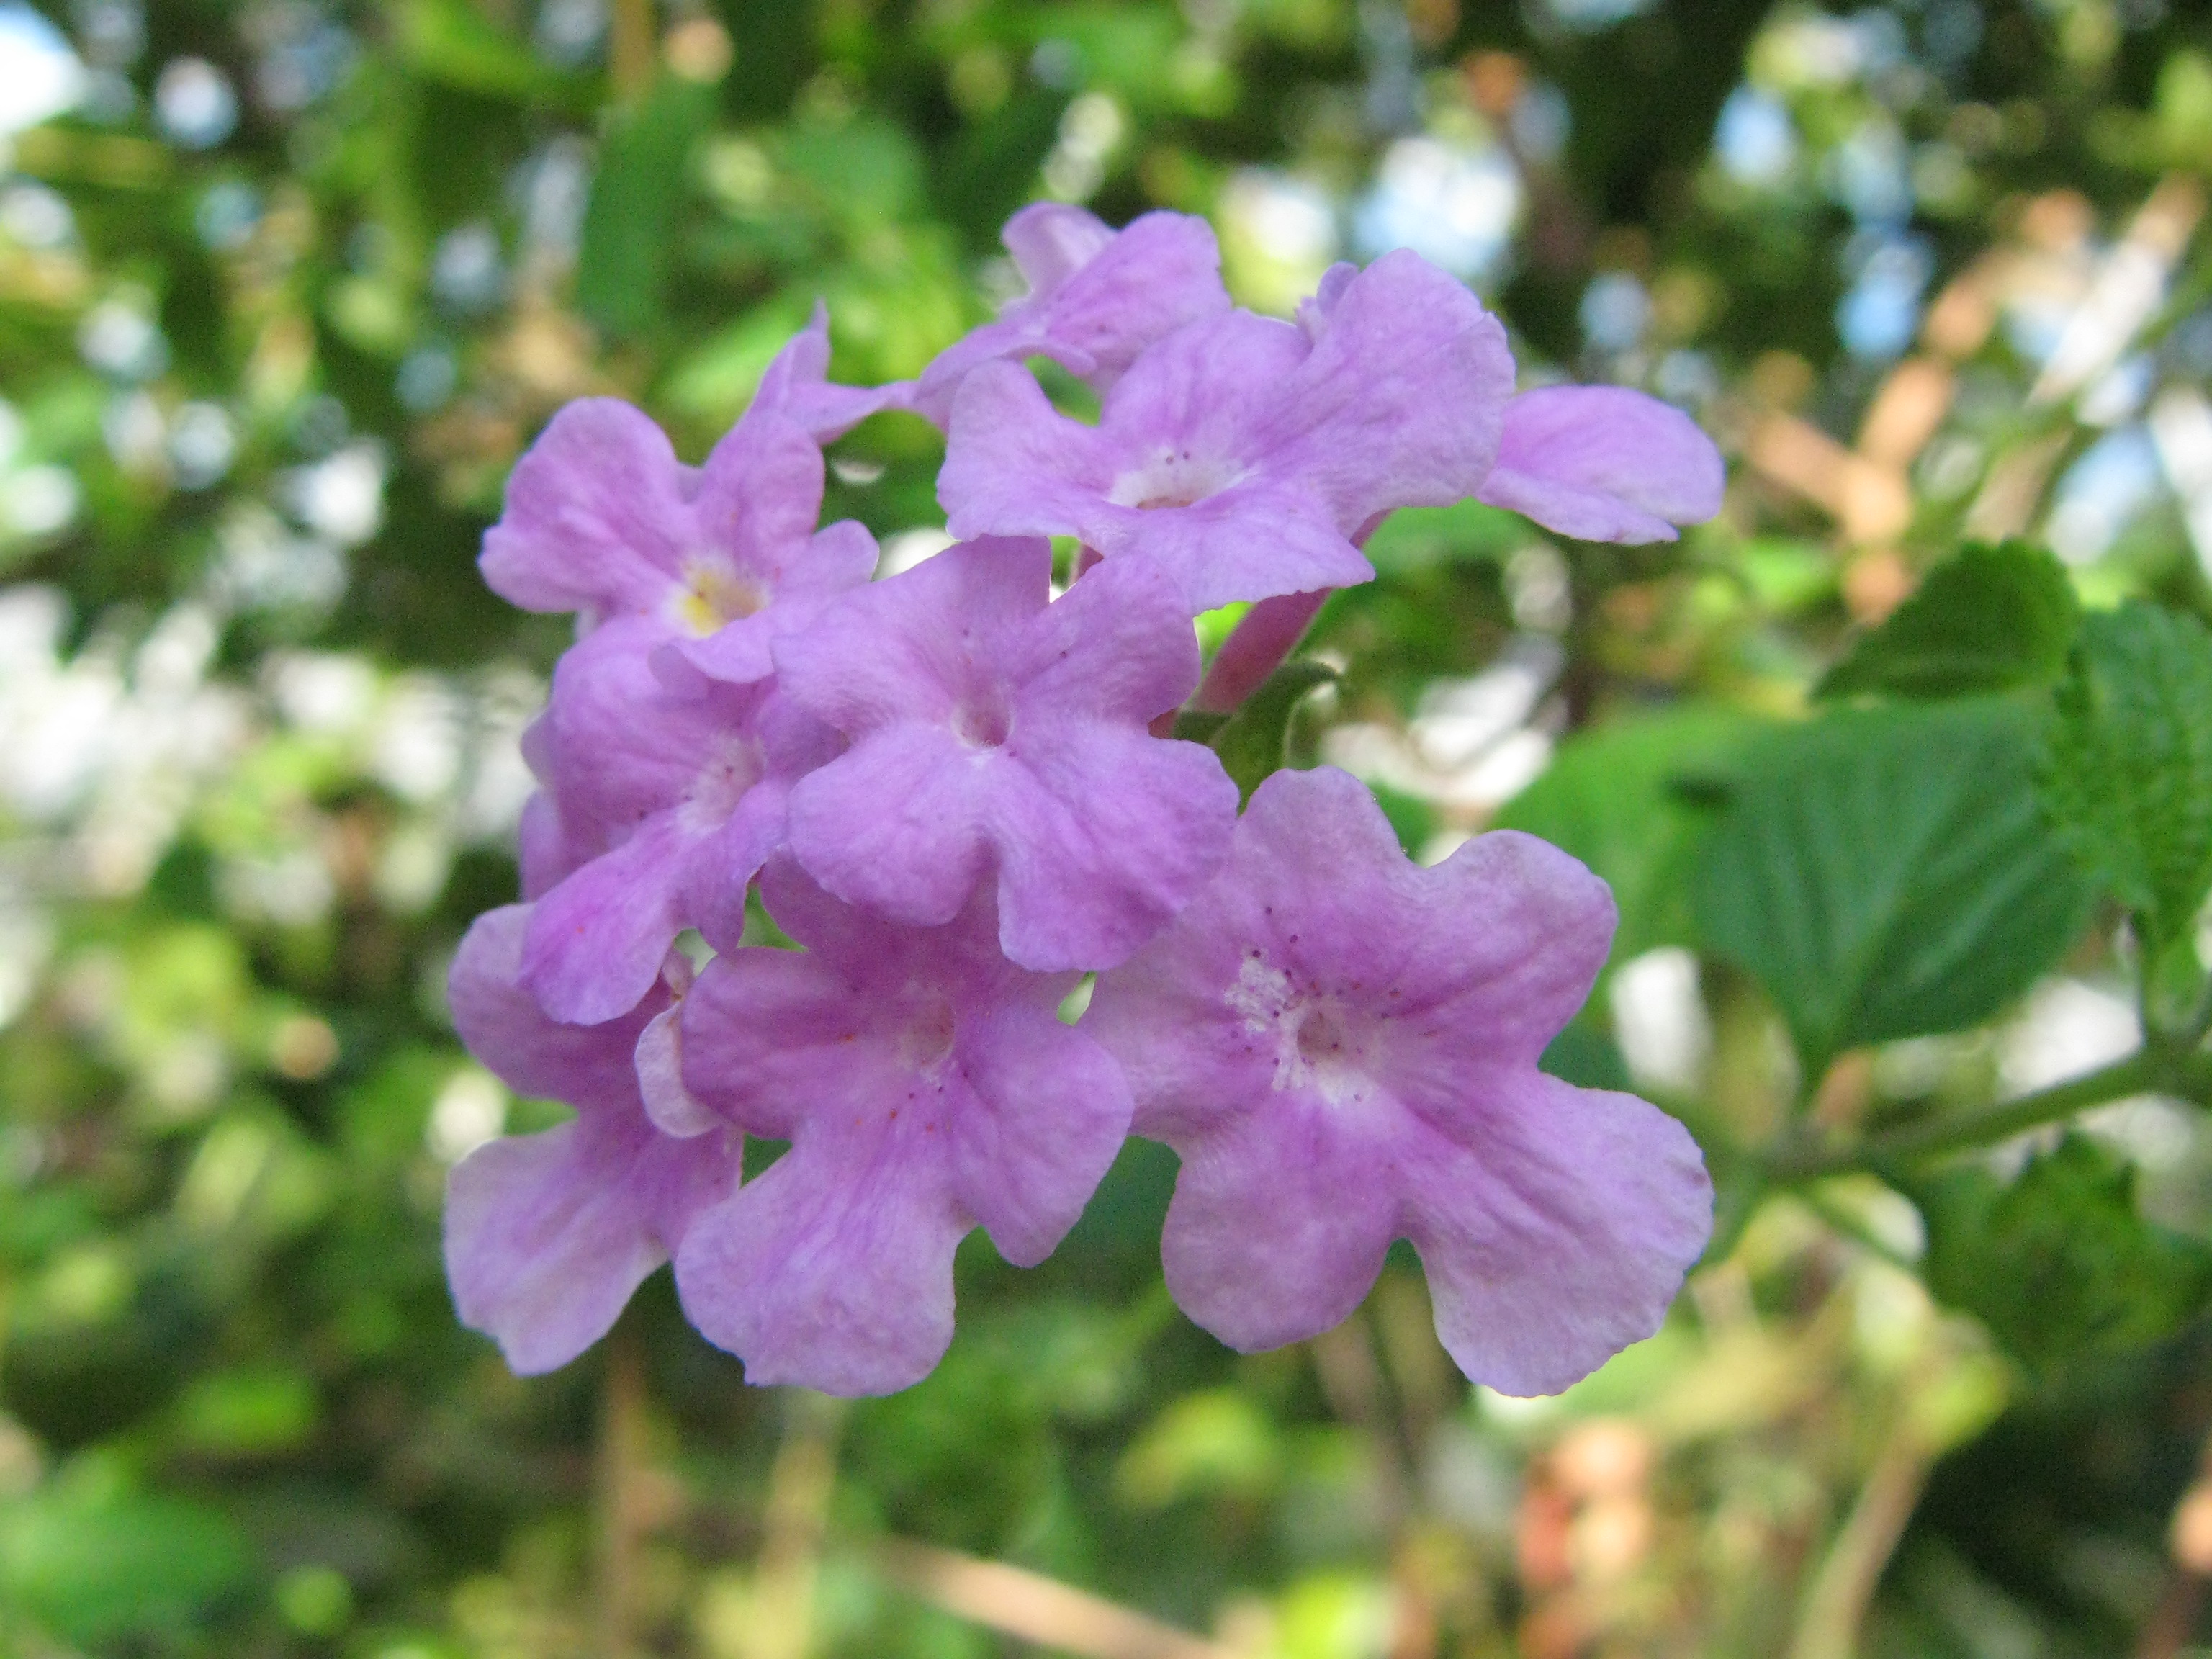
x: 1032, y: 1608
x: 798, y: 1486
x: 621, y: 1454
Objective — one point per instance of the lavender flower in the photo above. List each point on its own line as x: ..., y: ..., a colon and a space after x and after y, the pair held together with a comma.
x: 926, y: 1086
x: 1097, y: 297
x: 1242, y: 454
x: 667, y: 790
x: 1343, y: 1048
x: 948, y: 785
x: 990, y: 728
x: 547, y: 1234
x: 602, y: 518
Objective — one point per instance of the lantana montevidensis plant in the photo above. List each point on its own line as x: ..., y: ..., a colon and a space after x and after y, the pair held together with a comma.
x: 956, y: 788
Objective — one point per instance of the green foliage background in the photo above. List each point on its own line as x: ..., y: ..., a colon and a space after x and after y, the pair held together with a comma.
x: 1892, y: 894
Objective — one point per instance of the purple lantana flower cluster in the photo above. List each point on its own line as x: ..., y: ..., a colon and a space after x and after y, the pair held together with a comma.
x: 952, y: 789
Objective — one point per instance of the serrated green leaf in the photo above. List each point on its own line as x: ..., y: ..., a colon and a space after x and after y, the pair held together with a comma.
x: 1990, y: 619
x: 1625, y: 798
x: 2127, y: 771
x: 1251, y: 741
x: 2059, y: 1262
x: 1885, y: 873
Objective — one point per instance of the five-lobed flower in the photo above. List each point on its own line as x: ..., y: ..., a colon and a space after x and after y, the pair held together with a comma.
x: 952, y: 779
x: 1343, y: 1047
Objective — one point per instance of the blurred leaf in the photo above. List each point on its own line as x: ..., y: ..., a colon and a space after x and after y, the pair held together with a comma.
x: 1885, y: 873
x: 1990, y: 619
x: 1251, y: 742
x: 247, y: 1412
x: 866, y: 172
x: 1624, y: 798
x: 1786, y: 575
x: 2058, y: 1262
x: 2182, y: 109
x: 1218, y: 1440
x: 1588, y: 1058
x: 628, y: 238
x: 2127, y: 773
x: 101, y: 1567
x: 1416, y: 537
x: 715, y: 381
x: 452, y: 41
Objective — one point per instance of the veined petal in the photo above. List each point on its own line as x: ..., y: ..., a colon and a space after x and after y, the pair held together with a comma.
x: 1277, y: 1227
x: 1559, y: 1231
x: 596, y: 516
x: 1604, y: 464
x: 895, y: 824
x: 1104, y: 834
x: 594, y: 942
x: 832, y: 1270
x: 503, y: 1026
x: 548, y: 1234
x: 1014, y: 465
x: 1049, y: 1111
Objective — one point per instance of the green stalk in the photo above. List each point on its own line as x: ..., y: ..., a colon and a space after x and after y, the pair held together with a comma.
x: 2157, y: 1069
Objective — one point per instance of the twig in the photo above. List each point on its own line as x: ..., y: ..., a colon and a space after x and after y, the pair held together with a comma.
x: 798, y: 1488
x: 1352, y: 1383
x: 1836, y: 1605
x: 631, y: 48
x: 1032, y: 1608
x: 622, y: 1450
x: 2152, y: 1070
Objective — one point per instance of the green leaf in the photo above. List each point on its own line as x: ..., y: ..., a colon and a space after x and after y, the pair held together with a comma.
x: 1586, y: 1057
x: 1419, y: 537
x: 2058, y: 1262
x: 2127, y: 773
x: 1885, y: 874
x: 628, y: 240
x: 1624, y: 798
x: 1990, y: 619
x: 452, y: 41
x: 1251, y: 741
x: 98, y: 1567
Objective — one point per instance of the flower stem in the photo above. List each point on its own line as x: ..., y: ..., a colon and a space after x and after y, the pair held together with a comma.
x: 2154, y: 1069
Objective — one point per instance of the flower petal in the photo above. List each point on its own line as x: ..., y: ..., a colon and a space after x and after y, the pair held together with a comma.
x: 1014, y: 465
x: 1118, y: 645
x: 595, y: 941
x: 894, y: 825
x: 902, y: 649
x: 833, y: 1270
x: 1401, y: 402
x: 596, y: 518
x: 1277, y: 1227
x: 674, y: 1109
x: 770, y: 1035
x: 1050, y: 1110
x: 1559, y: 1229
x: 796, y: 387
x: 548, y: 1234
x: 1603, y: 464
x: 760, y: 494
x: 503, y: 1026
x: 1104, y: 834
